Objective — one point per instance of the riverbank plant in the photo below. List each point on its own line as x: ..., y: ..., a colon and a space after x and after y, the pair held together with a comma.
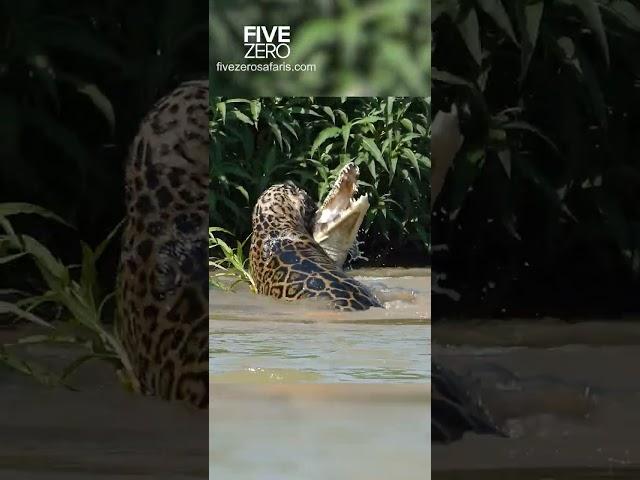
x: 78, y: 300
x: 258, y: 142
x: 228, y: 265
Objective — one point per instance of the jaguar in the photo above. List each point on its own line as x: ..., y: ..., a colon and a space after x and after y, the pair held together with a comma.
x: 162, y: 285
x: 297, y: 250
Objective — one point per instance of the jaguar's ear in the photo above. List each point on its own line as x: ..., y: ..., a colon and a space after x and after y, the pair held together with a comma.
x: 289, y: 183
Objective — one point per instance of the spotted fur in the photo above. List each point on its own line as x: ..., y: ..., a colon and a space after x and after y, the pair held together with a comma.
x: 162, y: 292
x: 288, y: 263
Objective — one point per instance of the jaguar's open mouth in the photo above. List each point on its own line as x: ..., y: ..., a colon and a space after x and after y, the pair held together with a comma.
x: 339, y: 217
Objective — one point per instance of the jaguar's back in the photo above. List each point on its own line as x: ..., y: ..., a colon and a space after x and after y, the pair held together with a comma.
x: 162, y: 293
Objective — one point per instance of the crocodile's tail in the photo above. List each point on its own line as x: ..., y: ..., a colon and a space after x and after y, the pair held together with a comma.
x: 454, y: 410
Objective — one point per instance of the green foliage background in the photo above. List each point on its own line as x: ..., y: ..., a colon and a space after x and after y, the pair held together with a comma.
x: 542, y: 211
x: 360, y: 47
x: 260, y: 142
x: 76, y: 78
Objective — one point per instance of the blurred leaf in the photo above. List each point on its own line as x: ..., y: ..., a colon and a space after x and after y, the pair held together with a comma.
x: 495, y: 10
x: 409, y: 155
x: 529, y: 15
x: 10, y: 308
x: 16, y: 208
x: 625, y: 11
x: 100, y: 101
x: 470, y: 31
x: 591, y: 12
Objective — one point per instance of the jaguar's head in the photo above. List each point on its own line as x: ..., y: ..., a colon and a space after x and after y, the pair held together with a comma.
x: 283, y: 207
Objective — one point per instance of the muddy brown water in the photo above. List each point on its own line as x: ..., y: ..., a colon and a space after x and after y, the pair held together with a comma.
x: 568, y: 395
x: 304, y: 392
x: 319, y: 431
x: 257, y: 339
x: 98, y: 432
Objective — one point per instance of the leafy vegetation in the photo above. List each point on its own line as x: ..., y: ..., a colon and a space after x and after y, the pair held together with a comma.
x: 72, y: 289
x: 260, y: 142
x: 542, y: 210
x: 228, y: 263
x: 359, y: 47
x: 75, y: 80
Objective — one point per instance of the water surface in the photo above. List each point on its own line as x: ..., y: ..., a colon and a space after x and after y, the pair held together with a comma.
x: 318, y: 432
x: 98, y: 432
x: 259, y: 339
x: 567, y: 394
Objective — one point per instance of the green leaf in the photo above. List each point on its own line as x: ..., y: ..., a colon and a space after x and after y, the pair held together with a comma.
x: 406, y: 123
x: 495, y: 9
x: 450, y: 78
x: 10, y: 258
x: 625, y: 12
x: 591, y: 13
x: 306, y: 111
x: 323, y: 136
x: 55, y: 273
x: 243, y: 191
x: 329, y: 112
x: 255, y: 107
x: 242, y: 117
x: 276, y: 132
x: 80, y: 361
x: 101, y: 102
x: 8, y: 209
x: 99, y: 99
x: 521, y: 125
x: 103, y: 245
x: 222, y: 108
x: 373, y: 149
x: 346, y: 131
x: 392, y: 168
x: 10, y: 308
x: 470, y: 31
x: 27, y: 368
x: 529, y: 16
x: 371, y: 119
x: 409, y: 155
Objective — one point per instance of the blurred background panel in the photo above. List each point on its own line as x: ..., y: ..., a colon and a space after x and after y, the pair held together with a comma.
x: 358, y: 47
x: 536, y: 233
x: 76, y: 79
x: 541, y: 211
